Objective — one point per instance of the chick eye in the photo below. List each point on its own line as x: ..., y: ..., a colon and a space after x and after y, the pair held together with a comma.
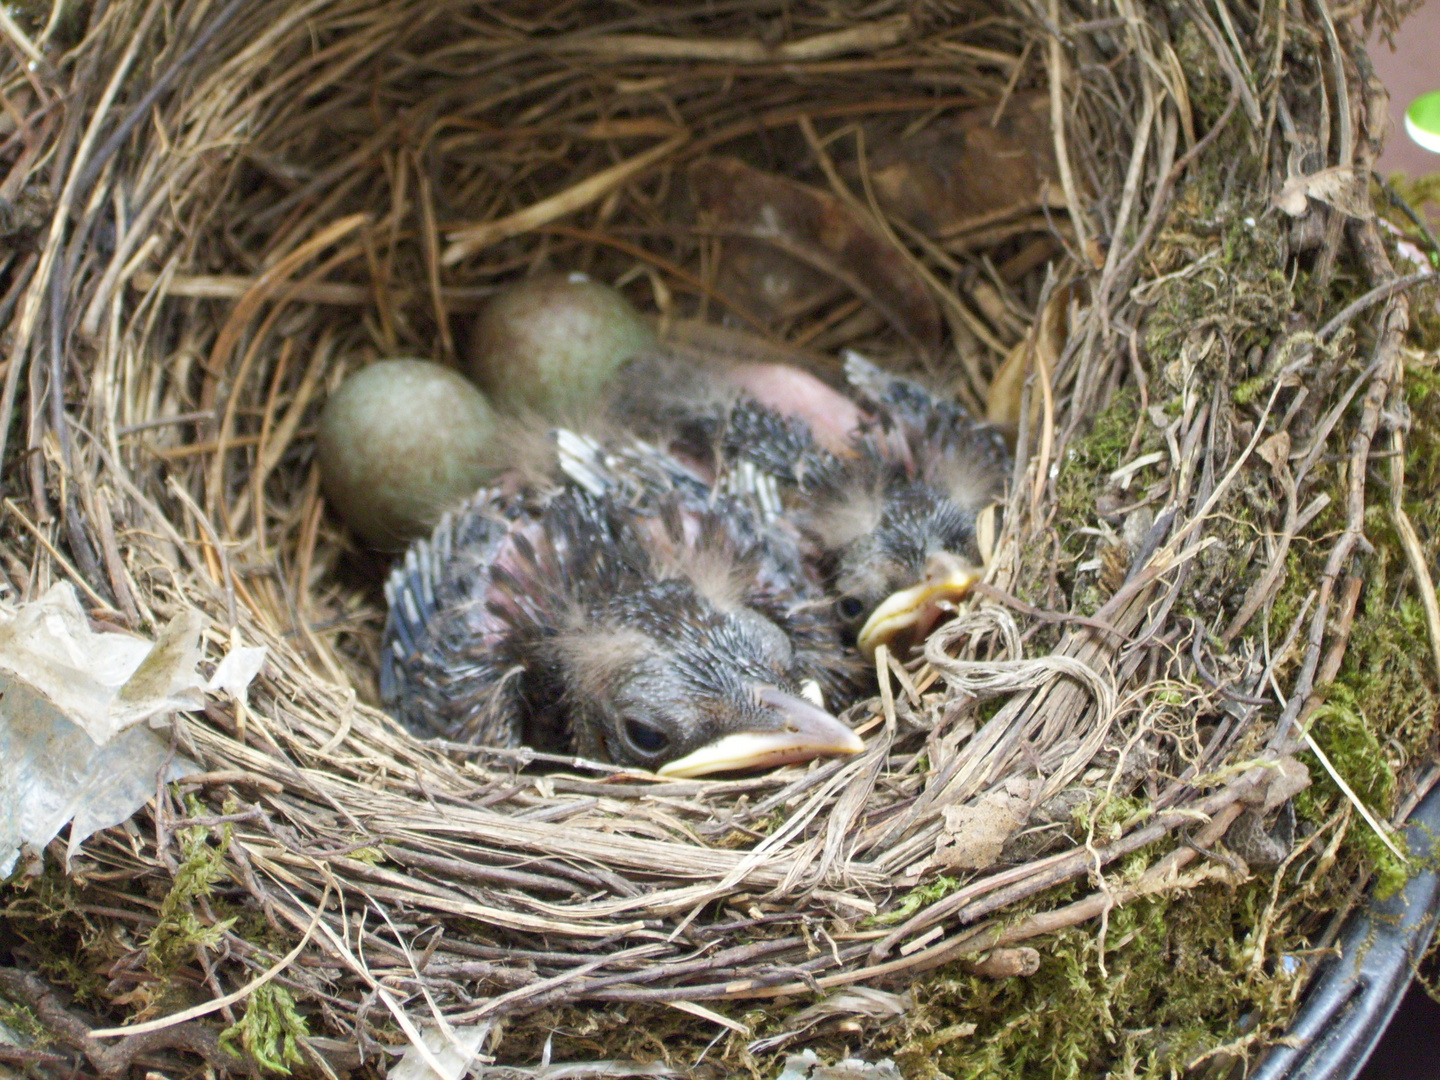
x: 850, y: 607
x: 645, y: 738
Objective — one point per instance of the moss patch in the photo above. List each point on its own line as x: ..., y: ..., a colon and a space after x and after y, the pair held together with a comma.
x: 919, y: 897
x: 1089, y: 460
x: 1178, y: 980
x: 180, y: 929
x: 269, y: 1031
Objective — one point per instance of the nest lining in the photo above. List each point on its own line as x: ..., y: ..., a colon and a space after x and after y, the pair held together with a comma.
x: 223, y: 216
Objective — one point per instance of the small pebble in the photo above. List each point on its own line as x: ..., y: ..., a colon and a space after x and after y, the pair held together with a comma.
x: 549, y: 344
x: 400, y: 442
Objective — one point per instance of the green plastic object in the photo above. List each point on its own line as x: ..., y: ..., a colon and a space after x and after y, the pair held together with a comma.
x: 1422, y: 121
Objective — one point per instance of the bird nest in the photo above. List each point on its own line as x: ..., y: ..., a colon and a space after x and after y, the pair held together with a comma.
x: 1145, y: 235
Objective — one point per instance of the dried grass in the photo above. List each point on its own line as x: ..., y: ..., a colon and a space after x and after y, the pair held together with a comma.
x: 221, y: 208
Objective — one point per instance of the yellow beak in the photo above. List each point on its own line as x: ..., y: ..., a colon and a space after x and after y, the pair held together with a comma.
x: 808, y: 732
x: 916, y: 610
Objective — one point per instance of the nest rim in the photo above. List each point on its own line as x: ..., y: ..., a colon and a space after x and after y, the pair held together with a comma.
x: 350, y: 773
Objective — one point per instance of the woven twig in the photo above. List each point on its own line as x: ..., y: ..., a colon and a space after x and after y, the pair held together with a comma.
x: 248, y: 200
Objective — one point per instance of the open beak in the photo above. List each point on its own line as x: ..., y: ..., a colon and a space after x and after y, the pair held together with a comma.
x: 808, y: 732
x: 916, y: 610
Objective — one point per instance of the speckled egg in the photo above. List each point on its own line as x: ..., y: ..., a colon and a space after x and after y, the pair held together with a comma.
x: 399, y: 442
x: 549, y: 344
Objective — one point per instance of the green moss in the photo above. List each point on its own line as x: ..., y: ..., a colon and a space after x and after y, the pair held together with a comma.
x: 1294, y: 588
x: 1224, y: 257
x: 1379, y: 711
x: 1108, y: 818
x: 1090, y: 460
x: 1178, y: 980
x: 1110, y: 433
x: 45, y: 912
x: 1234, y: 285
x: 1387, y: 666
x: 1422, y: 443
x: 180, y: 929
x: 1341, y: 730
x: 269, y: 1032
x: 1206, y: 82
x: 25, y: 1024
x: 917, y: 898
x: 1246, y: 392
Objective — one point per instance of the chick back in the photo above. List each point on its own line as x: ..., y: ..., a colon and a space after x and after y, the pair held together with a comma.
x: 476, y: 608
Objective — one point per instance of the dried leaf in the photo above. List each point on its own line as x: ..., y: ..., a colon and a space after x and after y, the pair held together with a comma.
x: 964, y: 173
x: 1275, y: 451
x: 974, y: 835
x: 822, y: 232
x: 1338, y: 186
x: 1002, y: 403
x: 1047, y: 339
x: 1289, y: 777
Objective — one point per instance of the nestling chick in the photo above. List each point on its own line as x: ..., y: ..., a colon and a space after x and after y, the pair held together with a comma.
x: 912, y: 520
x: 616, y: 615
x: 891, y: 515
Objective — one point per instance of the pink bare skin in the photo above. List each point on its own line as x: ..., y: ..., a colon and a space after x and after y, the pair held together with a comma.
x: 831, y: 417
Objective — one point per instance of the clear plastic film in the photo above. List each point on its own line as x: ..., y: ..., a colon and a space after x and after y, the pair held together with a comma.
x: 78, y: 712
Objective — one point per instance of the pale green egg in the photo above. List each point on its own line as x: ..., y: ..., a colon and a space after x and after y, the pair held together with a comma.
x: 399, y: 443
x: 550, y: 344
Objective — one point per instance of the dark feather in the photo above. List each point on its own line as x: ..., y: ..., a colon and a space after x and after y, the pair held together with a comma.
x: 626, y: 597
x: 919, y: 470
x: 440, y: 671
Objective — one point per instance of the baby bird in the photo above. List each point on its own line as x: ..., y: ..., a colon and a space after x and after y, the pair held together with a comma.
x: 685, y: 609
x: 912, y: 521
x: 895, y: 512
x: 622, y: 612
